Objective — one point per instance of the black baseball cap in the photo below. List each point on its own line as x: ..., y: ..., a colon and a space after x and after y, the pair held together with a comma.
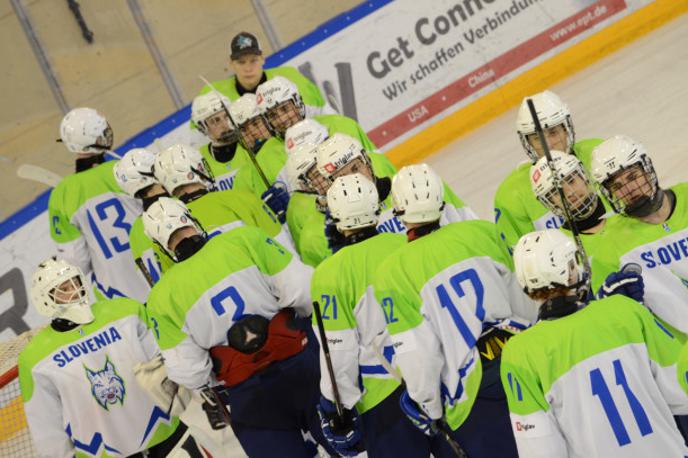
x: 244, y: 43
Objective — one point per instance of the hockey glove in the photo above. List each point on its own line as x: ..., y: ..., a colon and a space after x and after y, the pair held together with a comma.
x: 629, y: 284
x: 214, y: 409
x: 277, y: 198
x: 420, y: 419
x: 166, y: 394
x: 343, y: 435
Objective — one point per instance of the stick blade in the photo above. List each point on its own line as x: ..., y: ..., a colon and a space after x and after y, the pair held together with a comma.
x: 39, y: 174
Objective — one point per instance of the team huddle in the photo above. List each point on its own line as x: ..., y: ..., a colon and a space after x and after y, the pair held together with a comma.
x: 317, y: 300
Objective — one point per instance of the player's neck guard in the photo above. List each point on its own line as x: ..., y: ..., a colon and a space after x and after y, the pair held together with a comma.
x: 420, y: 231
x: 384, y: 187
x: 645, y: 205
x: 223, y: 153
x: 62, y: 325
x: 359, y: 236
x: 190, y: 197
x: 558, y: 307
x: 241, y: 90
x: 150, y: 200
x: 591, y: 221
x: 188, y: 247
x: 87, y: 163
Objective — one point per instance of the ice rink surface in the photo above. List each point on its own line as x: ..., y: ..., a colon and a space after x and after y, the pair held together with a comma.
x: 640, y: 91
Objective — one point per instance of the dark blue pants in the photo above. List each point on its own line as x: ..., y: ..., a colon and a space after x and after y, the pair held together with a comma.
x: 389, y: 434
x: 270, y: 410
x: 487, y: 432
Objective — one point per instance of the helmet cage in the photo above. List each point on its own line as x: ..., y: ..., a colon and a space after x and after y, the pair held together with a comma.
x: 650, y: 180
x: 570, y: 137
x: 582, y: 209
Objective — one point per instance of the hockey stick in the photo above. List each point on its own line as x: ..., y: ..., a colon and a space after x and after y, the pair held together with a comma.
x: 557, y: 184
x: 442, y: 425
x: 39, y: 174
x: 328, y: 361
x: 146, y: 274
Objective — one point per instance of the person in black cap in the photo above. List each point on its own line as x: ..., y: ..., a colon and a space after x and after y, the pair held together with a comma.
x: 246, y: 61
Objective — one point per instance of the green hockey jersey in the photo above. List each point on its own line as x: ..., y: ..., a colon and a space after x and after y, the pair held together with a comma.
x: 90, y: 219
x: 598, y: 383
x: 354, y: 322
x: 517, y: 209
x: 224, y: 172
x: 237, y: 273
x: 80, y: 394
x: 439, y: 293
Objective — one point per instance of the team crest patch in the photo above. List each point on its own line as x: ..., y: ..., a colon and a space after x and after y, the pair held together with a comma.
x: 107, y: 387
x: 244, y: 42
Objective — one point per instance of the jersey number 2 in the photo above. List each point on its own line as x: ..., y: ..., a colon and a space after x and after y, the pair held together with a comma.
x: 601, y: 390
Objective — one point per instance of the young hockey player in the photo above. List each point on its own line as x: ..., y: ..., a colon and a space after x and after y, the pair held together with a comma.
x: 587, y: 208
x: 354, y: 323
x: 652, y: 228
x: 77, y: 376
x: 90, y: 217
x: 233, y: 310
x: 184, y: 174
x: 134, y: 174
x: 210, y: 113
x: 246, y: 61
x: 590, y: 379
x: 451, y: 301
x: 517, y: 211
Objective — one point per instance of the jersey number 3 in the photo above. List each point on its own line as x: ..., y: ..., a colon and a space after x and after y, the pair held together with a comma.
x: 601, y: 390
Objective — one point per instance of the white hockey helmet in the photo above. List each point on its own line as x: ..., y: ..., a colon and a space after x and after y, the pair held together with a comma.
x: 337, y: 151
x: 276, y: 91
x: 612, y: 157
x: 58, y: 290
x: 179, y: 165
x: 551, y: 112
x: 353, y: 202
x: 417, y: 194
x: 84, y: 130
x: 299, y: 161
x: 244, y: 109
x: 206, y: 105
x: 306, y: 131
x: 134, y: 172
x: 571, y: 175
x: 546, y: 260
x: 163, y: 218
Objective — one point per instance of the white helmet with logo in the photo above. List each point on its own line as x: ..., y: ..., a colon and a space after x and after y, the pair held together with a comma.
x: 276, y: 91
x: 134, y: 172
x: 206, y: 105
x: 163, y: 218
x: 58, y: 290
x: 337, y: 151
x: 551, y: 112
x: 353, y: 202
x: 568, y: 168
x: 307, y: 131
x: 548, y: 259
x: 299, y: 161
x: 84, y: 130
x: 418, y: 194
x: 244, y: 109
x: 180, y: 165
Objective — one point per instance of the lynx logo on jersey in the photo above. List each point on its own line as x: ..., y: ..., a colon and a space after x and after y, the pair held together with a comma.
x: 107, y: 387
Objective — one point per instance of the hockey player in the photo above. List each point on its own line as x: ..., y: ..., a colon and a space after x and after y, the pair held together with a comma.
x: 652, y: 229
x: 451, y: 300
x: 233, y: 311
x: 77, y: 376
x: 587, y: 208
x: 573, y: 395
x: 281, y: 105
x: 90, y: 216
x: 224, y: 156
x: 134, y: 174
x: 254, y: 131
x: 355, y: 326
x: 246, y: 61
x: 184, y: 174
x: 517, y: 211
